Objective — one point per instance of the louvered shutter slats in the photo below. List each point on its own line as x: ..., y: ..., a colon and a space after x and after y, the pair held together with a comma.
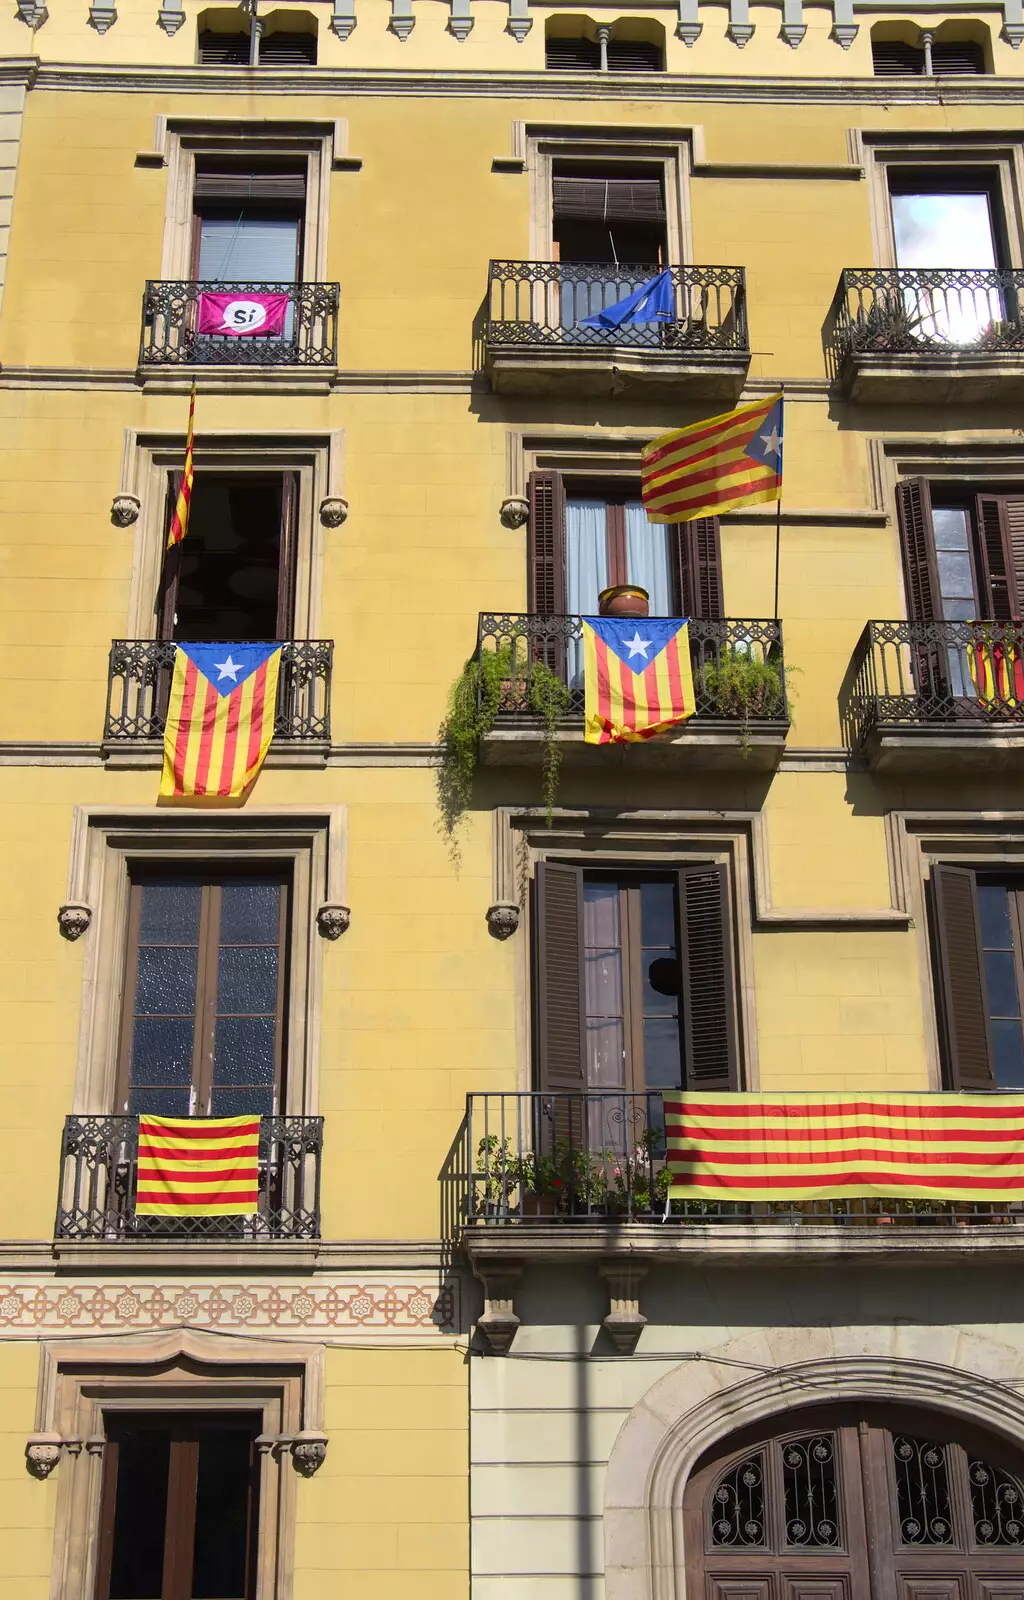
x: 558, y: 962
x: 698, y: 551
x: 914, y: 514
x: 1013, y: 522
x: 265, y: 186
x: 708, y: 985
x: 608, y: 199
x: 547, y: 544
x: 962, y: 998
x: 999, y: 581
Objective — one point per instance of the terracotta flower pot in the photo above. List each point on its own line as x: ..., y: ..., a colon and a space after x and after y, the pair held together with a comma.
x: 624, y: 600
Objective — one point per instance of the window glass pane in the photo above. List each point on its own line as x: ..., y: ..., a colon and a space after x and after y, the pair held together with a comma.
x: 601, y: 913
x: 955, y: 573
x: 165, y: 983
x: 161, y: 1051
x: 140, y: 1514
x: 222, y: 1538
x: 250, y: 913
x: 994, y: 916
x: 603, y: 985
x: 952, y: 530
x: 249, y: 1102
x: 658, y: 915
x: 943, y: 230
x: 167, y: 963
x: 1008, y: 1049
x: 145, y: 1102
x: 1001, y: 984
x: 243, y: 247
x: 661, y: 1053
x: 244, y: 1050
x: 247, y: 979
x: 659, y: 966
x: 169, y: 913
x: 606, y: 1056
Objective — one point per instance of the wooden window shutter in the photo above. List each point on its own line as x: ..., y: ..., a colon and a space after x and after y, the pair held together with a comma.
x: 167, y: 596
x: 1013, y: 516
x: 558, y: 976
x: 698, y: 552
x: 914, y: 513
x: 233, y: 185
x: 286, y: 556
x: 547, y: 544
x: 708, y: 996
x: 1000, y: 521
x: 962, y: 999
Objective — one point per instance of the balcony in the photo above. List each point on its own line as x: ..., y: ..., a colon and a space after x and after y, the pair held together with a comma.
x: 945, y: 335
x: 938, y: 697
x: 139, y: 681
x: 724, y: 733
x: 99, y: 1164
x: 535, y: 1175
x: 535, y: 344
x: 171, y: 337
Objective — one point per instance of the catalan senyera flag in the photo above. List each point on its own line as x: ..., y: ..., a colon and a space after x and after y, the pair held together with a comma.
x: 179, y: 520
x: 718, y: 465
x: 220, y: 718
x: 198, y: 1167
x: 636, y: 677
x: 996, y: 664
x: 820, y: 1146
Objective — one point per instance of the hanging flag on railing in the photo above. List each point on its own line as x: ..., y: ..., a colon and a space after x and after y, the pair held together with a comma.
x: 636, y: 677
x: 717, y: 465
x: 198, y: 1167
x: 996, y: 663
x: 179, y: 520
x: 817, y: 1146
x: 654, y: 301
x: 220, y: 718
x: 241, y: 314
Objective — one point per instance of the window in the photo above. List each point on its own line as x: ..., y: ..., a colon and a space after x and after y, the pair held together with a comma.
x: 179, y: 1507
x: 978, y: 926
x: 950, y: 219
x: 894, y: 59
x: 248, y: 220
x: 203, y: 1017
x: 585, y: 55
x: 233, y: 577
x: 274, y: 47
x: 584, y: 536
x: 963, y: 552
x: 633, y: 979
x: 845, y: 1493
x: 608, y: 212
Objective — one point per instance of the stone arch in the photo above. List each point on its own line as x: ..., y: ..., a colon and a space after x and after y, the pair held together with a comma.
x: 703, y: 1400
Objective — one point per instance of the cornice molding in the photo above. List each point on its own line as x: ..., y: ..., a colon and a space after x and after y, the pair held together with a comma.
x: 244, y: 380
x: 317, y: 82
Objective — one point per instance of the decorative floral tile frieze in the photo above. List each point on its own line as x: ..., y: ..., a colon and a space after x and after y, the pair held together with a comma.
x: 339, y: 1306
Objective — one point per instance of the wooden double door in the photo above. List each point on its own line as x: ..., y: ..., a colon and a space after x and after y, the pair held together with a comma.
x: 858, y: 1504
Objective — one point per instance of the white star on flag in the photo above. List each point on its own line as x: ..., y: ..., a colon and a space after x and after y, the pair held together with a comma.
x: 772, y: 442
x: 637, y: 646
x: 228, y: 669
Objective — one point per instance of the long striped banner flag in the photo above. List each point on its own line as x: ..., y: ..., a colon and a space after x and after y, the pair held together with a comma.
x: 717, y: 465
x: 198, y: 1167
x: 220, y: 718
x: 635, y: 687
x: 995, y: 663
x: 816, y: 1146
x: 179, y: 519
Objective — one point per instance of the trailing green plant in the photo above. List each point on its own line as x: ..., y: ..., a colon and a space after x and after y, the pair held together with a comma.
x: 889, y: 324
x: 473, y: 704
x: 739, y: 685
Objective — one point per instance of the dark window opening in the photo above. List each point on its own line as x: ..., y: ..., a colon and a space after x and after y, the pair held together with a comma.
x: 609, y: 214
x: 893, y: 59
x: 963, y: 551
x: 232, y: 576
x: 205, y: 986
x: 275, y: 49
x: 978, y: 946
x: 584, y: 55
x: 179, y: 1507
x: 248, y: 221
x: 223, y: 49
x: 632, y: 983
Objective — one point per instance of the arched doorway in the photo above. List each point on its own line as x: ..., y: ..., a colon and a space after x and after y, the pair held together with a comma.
x: 857, y: 1503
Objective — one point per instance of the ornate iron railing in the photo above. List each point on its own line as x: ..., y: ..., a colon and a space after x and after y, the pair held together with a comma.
x: 957, y: 675
x: 99, y: 1168
x: 139, y: 680
x: 913, y: 311
x: 171, y: 337
x: 551, y: 1159
x: 556, y: 643
x: 544, y: 303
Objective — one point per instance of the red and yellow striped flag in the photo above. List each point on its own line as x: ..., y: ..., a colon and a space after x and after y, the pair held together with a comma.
x: 220, y: 718
x: 179, y: 521
x: 198, y: 1167
x: 995, y: 662
x: 816, y: 1146
x: 717, y: 465
x: 635, y: 687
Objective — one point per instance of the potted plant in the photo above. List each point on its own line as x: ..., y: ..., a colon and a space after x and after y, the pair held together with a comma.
x: 739, y: 686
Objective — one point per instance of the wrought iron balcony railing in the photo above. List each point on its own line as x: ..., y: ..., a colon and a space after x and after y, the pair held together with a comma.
x: 900, y: 311
x: 171, y: 337
x: 543, y: 303
x: 99, y: 1167
x: 139, y: 681
x: 751, y: 689
x: 571, y: 1159
x: 960, y: 676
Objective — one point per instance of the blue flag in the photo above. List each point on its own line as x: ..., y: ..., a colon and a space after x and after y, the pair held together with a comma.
x: 654, y: 301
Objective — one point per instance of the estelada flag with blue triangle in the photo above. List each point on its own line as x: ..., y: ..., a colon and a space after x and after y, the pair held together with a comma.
x: 636, y: 677
x: 717, y: 465
x: 220, y: 718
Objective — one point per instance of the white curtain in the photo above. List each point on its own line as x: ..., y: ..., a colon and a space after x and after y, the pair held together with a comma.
x: 647, y: 558
x: 249, y: 248
x: 586, y: 567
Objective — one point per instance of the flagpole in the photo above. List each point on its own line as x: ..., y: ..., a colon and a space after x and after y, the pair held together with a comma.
x: 778, y: 505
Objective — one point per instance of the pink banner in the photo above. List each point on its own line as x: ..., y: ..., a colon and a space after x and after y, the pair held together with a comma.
x: 242, y: 314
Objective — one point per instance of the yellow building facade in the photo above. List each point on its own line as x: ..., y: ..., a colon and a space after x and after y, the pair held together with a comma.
x: 419, y: 1370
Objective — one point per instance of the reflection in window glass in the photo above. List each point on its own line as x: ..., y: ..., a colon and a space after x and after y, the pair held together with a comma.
x: 998, y: 919
x: 947, y: 231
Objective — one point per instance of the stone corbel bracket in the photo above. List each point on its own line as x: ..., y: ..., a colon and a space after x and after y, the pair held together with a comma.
x: 170, y: 18
x: 844, y: 28
x: 102, y: 17
x: 32, y: 12
x: 333, y: 510
x: 343, y: 19
x: 1012, y: 32
x: 515, y: 511
x: 625, y: 1322
x: 689, y: 26
x: 332, y: 921
x: 460, y: 21
x: 42, y: 1453
x: 309, y: 1451
x: 124, y: 509
x: 401, y: 21
x: 793, y: 28
x: 73, y: 919
x: 503, y: 919
x: 740, y: 29
x: 498, y: 1323
x: 519, y: 20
